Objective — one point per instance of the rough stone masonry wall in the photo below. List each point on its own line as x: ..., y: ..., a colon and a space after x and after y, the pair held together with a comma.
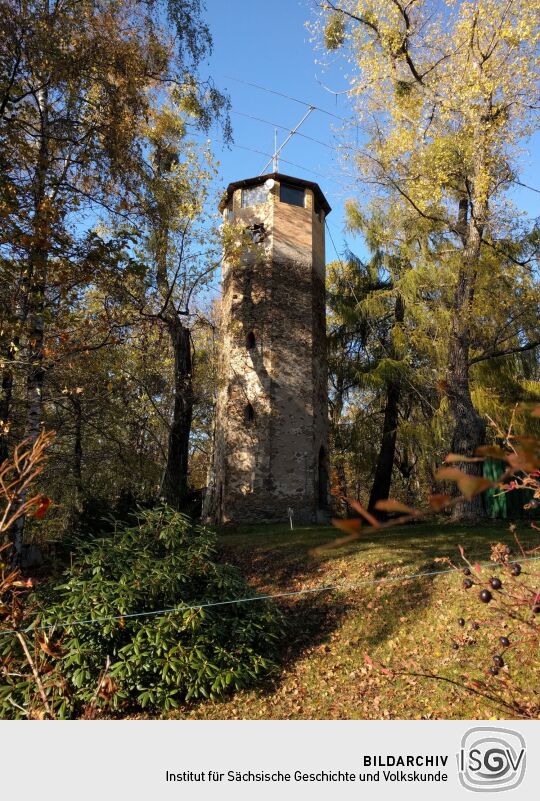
x: 265, y: 465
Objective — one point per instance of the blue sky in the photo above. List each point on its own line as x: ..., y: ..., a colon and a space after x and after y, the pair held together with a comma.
x: 266, y: 42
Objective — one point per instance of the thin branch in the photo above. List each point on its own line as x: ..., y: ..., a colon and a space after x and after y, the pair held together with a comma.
x: 495, y: 354
x: 35, y: 673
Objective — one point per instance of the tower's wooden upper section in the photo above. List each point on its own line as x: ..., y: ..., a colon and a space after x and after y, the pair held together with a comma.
x: 290, y: 213
x: 279, y: 178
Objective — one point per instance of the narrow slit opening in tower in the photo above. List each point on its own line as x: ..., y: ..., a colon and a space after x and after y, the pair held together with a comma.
x: 251, y: 341
x: 323, y: 479
x: 249, y: 414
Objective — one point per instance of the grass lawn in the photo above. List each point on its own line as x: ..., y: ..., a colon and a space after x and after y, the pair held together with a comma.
x: 406, y: 624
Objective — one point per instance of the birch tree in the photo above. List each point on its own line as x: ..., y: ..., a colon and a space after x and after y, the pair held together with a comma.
x: 77, y: 79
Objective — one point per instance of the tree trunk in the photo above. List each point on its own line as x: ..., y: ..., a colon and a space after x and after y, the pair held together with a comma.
x: 382, y: 479
x: 469, y: 428
x: 342, y: 486
x: 35, y: 339
x: 174, y: 488
x: 338, y: 448
x: 10, y: 370
x: 36, y: 282
x: 5, y: 408
x: 78, y: 455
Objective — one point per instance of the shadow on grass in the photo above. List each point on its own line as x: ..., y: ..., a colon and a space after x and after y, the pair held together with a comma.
x: 276, y: 560
x: 421, y: 544
x: 395, y: 600
x: 310, y: 618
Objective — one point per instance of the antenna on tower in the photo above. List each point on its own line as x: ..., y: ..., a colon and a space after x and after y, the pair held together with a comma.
x: 277, y: 150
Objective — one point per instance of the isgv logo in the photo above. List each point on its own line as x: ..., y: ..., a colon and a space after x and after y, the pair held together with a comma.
x: 491, y: 759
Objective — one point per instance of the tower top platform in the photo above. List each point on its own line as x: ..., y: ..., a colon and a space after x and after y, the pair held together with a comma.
x: 280, y: 178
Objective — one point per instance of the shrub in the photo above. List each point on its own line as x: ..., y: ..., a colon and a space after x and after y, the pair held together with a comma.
x: 159, y: 659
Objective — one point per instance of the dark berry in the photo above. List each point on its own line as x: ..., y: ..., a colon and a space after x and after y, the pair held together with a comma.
x: 476, y: 625
x: 461, y: 621
x: 536, y: 609
x: 467, y: 583
x: 516, y: 570
x: 466, y: 571
x: 494, y: 671
x: 496, y: 583
x: 498, y: 660
x: 504, y: 641
x: 485, y: 596
x: 455, y: 646
x: 508, y: 550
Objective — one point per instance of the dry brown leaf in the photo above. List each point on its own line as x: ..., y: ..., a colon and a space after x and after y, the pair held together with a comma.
x: 391, y: 505
x: 469, y: 485
x: 365, y: 514
x: 439, y: 502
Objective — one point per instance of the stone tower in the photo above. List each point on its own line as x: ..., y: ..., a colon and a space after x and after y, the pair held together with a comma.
x: 271, y: 437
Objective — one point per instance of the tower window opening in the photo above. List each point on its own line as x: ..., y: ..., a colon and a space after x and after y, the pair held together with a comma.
x: 257, y: 232
x: 254, y: 195
x: 250, y: 341
x: 292, y: 195
x: 249, y: 414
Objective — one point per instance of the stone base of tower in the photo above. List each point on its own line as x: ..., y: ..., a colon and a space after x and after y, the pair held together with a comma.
x: 260, y: 507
